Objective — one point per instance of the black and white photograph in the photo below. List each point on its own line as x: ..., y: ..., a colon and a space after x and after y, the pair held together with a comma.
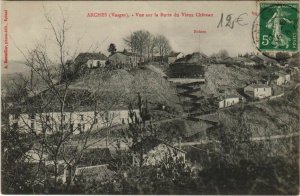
x: 150, y: 97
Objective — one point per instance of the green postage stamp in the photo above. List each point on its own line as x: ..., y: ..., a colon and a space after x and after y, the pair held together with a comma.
x: 278, y: 25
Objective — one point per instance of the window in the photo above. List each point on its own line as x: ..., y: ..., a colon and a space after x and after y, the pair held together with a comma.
x: 15, y: 125
x: 98, y: 63
x: 106, y: 116
x: 63, y: 117
x: 79, y: 127
x: 72, y: 127
x: 32, y: 125
x: 16, y: 116
x: 31, y: 116
x: 83, y: 127
x: 47, y: 118
x: 96, y: 116
x: 81, y: 116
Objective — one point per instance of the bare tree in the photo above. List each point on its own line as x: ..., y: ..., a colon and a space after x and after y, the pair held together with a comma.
x: 163, y: 45
x: 49, y: 113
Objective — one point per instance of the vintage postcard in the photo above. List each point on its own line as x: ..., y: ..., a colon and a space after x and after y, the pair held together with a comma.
x: 150, y: 97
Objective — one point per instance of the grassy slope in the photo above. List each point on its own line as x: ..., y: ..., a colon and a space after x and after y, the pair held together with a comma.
x: 125, y: 85
x: 279, y: 116
x: 218, y: 76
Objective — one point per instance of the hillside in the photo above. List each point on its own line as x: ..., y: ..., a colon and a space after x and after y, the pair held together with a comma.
x: 221, y: 76
x: 125, y: 85
x: 275, y: 117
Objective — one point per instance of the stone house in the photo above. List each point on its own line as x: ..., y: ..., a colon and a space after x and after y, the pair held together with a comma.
x: 280, y: 78
x: 91, y: 60
x: 125, y: 60
x: 259, y: 91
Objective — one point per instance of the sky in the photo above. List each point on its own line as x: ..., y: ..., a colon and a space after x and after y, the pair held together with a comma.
x: 27, y: 25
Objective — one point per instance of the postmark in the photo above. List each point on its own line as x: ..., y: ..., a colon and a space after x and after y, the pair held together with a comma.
x: 275, y: 28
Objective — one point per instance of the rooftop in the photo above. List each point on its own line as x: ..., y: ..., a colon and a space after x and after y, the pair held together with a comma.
x: 84, y: 57
x: 174, y: 54
x: 259, y: 86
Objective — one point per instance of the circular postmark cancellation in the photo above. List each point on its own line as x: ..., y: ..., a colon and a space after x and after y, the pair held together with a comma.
x: 275, y: 30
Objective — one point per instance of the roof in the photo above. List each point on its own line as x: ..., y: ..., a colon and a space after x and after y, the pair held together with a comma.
x: 84, y: 57
x: 96, y: 172
x: 281, y: 73
x: 243, y: 59
x: 259, y: 86
x: 229, y: 96
x: 174, y: 54
x: 264, y: 58
x: 126, y: 53
x: 96, y: 156
x: 149, y: 143
x: 228, y: 57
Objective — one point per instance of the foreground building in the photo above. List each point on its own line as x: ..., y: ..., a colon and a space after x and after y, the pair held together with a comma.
x: 157, y: 152
x: 75, y: 122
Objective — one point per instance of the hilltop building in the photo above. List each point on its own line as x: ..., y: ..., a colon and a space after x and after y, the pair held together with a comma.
x: 174, y: 56
x: 91, y: 60
x: 125, y: 60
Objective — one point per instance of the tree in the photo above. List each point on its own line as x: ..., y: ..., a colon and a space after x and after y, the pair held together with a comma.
x: 112, y: 48
x: 53, y: 106
x: 137, y: 42
x: 223, y: 53
x: 145, y: 44
x: 163, y: 45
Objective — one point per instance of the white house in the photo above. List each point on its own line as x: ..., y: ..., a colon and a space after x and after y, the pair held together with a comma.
x: 228, y: 100
x: 75, y: 122
x: 92, y: 60
x: 95, y: 63
x: 259, y: 91
x: 174, y: 56
x: 281, y: 78
x: 160, y: 153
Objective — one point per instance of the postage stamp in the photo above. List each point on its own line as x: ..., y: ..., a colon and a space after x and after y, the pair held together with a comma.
x: 278, y: 27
